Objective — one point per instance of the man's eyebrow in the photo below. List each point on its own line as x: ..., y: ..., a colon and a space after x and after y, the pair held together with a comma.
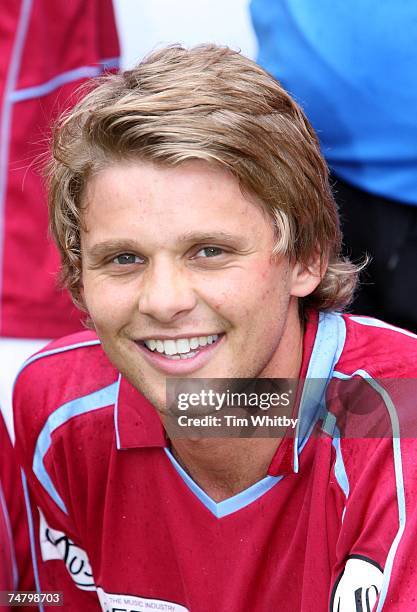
x: 196, y: 237
x: 101, y: 249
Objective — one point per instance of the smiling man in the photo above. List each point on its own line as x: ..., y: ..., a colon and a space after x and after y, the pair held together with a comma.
x: 197, y: 228
x: 185, y: 260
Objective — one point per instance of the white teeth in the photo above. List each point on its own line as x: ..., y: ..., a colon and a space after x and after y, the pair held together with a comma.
x: 187, y: 356
x: 194, y: 343
x: 170, y: 347
x: 181, y: 348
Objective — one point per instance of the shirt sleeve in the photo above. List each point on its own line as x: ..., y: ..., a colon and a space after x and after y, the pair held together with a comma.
x: 60, y: 562
x: 376, y: 467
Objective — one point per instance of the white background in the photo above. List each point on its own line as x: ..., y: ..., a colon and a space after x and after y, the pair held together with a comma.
x: 146, y: 24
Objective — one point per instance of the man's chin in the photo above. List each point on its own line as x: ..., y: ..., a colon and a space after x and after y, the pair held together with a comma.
x: 158, y: 400
x: 157, y: 397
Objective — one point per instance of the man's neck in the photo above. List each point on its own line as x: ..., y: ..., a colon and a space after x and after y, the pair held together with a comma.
x: 223, y: 467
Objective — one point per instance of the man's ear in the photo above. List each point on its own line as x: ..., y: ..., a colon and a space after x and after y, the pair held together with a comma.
x: 307, y: 277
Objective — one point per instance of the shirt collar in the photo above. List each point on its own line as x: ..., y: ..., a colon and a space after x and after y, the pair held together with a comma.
x: 324, y: 341
x: 138, y: 425
x: 136, y: 421
x: 283, y: 462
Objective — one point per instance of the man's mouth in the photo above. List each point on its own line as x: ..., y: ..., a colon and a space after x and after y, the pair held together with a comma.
x: 180, y: 348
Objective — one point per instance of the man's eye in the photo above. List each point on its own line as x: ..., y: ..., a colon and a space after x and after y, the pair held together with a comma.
x: 210, y: 251
x: 126, y: 258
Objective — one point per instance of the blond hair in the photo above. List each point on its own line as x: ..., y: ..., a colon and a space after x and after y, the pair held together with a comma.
x: 208, y: 103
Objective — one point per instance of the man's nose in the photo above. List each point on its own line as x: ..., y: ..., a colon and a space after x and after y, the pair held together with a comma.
x: 166, y: 292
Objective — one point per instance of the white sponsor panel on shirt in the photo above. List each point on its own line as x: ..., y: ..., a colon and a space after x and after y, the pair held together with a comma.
x: 112, y: 602
x: 56, y: 544
x: 358, y: 588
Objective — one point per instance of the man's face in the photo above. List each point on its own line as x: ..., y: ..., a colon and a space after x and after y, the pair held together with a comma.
x: 179, y: 280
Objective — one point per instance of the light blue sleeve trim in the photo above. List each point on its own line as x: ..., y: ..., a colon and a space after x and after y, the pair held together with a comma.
x: 116, y: 414
x: 98, y: 399
x: 56, y: 351
x: 61, y: 349
x: 6, y: 115
x: 11, y: 539
x: 83, y: 72
x: 328, y: 346
x: 31, y: 538
x: 340, y: 469
x: 232, y: 504
x: 370, y: 322
x: 399, y: 478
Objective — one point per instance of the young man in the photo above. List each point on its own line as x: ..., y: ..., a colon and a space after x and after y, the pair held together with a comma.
x: 197, y: 228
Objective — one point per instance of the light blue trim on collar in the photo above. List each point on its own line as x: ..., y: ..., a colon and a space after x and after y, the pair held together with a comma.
x: 93, y: 401
x: 232, y: 504
x: 328, y: 346
x: 329, y: 424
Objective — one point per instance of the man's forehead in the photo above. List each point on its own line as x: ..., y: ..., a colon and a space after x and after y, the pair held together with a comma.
x: 194, y: 197
x: 146, y: 176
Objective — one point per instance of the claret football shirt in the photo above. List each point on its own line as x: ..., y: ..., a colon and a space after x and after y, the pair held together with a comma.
x: 119, y: 526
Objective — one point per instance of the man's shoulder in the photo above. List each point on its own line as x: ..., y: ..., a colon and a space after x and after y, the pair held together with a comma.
x: 63, y: 403
x: 81, y: 352
x: 377, y: 348
x: 66, y: 370
x: 61, y: 346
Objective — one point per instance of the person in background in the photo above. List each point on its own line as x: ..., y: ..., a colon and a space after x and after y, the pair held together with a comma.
x: 16, y: 570
x: 352, y: 67
x: 47, y: 50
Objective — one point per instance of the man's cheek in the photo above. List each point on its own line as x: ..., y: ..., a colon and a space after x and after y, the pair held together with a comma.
x: 102, y: 300
x: 219, y: 302
x: 100, y: 313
